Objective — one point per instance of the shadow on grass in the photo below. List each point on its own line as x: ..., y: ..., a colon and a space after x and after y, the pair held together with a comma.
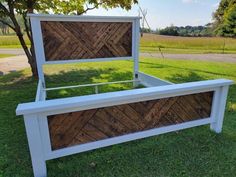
x: 181, y: 78
x: 185, y: 69
x: 14, y: 79
x: 86, y: 76
x: 193, y: 152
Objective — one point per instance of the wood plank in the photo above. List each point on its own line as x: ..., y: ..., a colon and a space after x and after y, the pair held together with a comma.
x: 86, y: 40
x: 97, y: 124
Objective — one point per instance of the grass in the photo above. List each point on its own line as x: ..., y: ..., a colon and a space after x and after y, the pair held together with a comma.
x: 171, y: 44
x: 192, y: 152
x: 11, y: 41
x: 168, y: 44
x: 5, y: 55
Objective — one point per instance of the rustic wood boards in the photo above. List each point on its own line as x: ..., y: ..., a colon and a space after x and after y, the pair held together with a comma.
x: 86, y: 40
x: 91, y: 125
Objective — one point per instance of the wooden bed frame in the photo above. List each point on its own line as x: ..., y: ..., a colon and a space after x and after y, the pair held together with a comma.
x: 61, y: 127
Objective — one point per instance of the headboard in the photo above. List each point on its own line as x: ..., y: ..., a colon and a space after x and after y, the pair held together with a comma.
x: 66, y: 39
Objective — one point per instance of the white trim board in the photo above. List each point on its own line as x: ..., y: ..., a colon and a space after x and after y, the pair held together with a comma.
x: 87, y: 60
x: 151, y: 81
x: 120, y: 97
x: 55, y: 17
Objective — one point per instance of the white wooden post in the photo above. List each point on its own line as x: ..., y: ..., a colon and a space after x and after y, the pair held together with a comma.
x: 136, y: 31
x: 38, y: 46
x: 35, y: 145
x: 218, y: 108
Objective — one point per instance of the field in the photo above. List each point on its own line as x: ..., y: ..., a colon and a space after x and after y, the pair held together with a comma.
x: 192, y: 152
x: 11, y: 42
x: 168, y: 44
x: 5, y: 55
x: 171, y: 44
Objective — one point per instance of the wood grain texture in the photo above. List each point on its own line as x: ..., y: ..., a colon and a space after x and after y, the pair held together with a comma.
x: 83, y: 40
x: 91, y: 125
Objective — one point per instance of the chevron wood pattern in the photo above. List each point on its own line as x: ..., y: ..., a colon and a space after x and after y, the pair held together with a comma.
x: 96, y: 124
x: 83, y: 40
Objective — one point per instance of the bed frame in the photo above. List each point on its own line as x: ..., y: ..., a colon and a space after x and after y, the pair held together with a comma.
x: 61, y: 127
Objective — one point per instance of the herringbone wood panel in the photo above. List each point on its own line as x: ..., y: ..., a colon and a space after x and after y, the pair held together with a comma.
x: 83, y: 40
x: 96, y: 124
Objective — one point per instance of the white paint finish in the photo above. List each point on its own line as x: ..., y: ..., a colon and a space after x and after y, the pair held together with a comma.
x: 121, y: 97
x: 53, y: 17
x: 218, y: 109
x: 125, y: 138
x: 90, y: 85
x: 44, y: 131
x: 135, y: 49
x: 38, y: 39
x: 38, y: 47
x: 88, y: 60
x: 41, y: 93
x: 35, y: 145
x: 35, y: 114
x: 151, y: 81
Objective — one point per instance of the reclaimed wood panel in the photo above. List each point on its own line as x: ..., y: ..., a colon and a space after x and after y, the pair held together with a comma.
x: 83, y: 40
x: 96, y: 124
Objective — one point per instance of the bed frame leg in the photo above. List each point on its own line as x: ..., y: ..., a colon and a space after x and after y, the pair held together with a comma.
x: 35, y: 145
x: 218, y: 108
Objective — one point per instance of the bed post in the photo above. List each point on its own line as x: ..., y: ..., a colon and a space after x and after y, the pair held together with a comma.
x: 135, y: 47
x: 218, y: 108
x: 38, y: 46
x: 35, y: 145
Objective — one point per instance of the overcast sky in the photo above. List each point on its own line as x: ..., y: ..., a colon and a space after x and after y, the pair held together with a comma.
x: 162, y: 13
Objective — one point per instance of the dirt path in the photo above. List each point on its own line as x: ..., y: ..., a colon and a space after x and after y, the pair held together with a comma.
x: 12, y: 51
x: 20, y: 62
x: 11, y: 64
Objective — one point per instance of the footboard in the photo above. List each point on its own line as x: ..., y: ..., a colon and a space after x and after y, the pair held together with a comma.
x: 61, y: 127
x: 76, y: 128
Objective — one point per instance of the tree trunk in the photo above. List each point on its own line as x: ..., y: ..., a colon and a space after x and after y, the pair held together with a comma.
x: 32, y: 62
x: 29, y: 52
x: 30, y: 55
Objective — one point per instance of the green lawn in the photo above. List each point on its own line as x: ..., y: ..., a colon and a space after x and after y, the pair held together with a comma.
x: 177, y: 44
x: 5, y: 55
x: 192, y: 152
x: 168, y: 44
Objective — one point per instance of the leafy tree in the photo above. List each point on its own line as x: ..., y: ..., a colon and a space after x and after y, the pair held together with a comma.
x: 9, y: 9
x: 225, y: 18
x: 193, y: 31
x: 172, y: 31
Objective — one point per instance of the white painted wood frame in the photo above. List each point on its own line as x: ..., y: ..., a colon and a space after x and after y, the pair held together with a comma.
x: 35, y: 20
x: 36, y: 113
x: 35, y: 116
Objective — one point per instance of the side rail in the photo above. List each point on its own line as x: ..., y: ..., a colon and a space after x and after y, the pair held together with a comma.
x: 61, y: 127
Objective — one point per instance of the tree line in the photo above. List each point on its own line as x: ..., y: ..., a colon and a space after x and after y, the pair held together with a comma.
x: 224, y: 24
x: 187, y: 31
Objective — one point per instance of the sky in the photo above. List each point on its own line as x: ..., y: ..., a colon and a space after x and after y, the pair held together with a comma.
x: 162, y: 13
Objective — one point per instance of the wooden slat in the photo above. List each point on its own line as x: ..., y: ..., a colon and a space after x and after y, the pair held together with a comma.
x: 86, y: 40
x: 91, y: 125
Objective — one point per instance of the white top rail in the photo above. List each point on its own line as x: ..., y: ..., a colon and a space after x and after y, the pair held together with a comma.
x: 86, y: 17
x: 64, y: 105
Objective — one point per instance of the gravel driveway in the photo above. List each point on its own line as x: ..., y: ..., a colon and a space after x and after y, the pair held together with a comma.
x: 19, y: 62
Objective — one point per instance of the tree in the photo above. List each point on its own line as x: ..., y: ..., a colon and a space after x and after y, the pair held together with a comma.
x: 10, y: 9
x: 225, y: 18
x: 4, y: 28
